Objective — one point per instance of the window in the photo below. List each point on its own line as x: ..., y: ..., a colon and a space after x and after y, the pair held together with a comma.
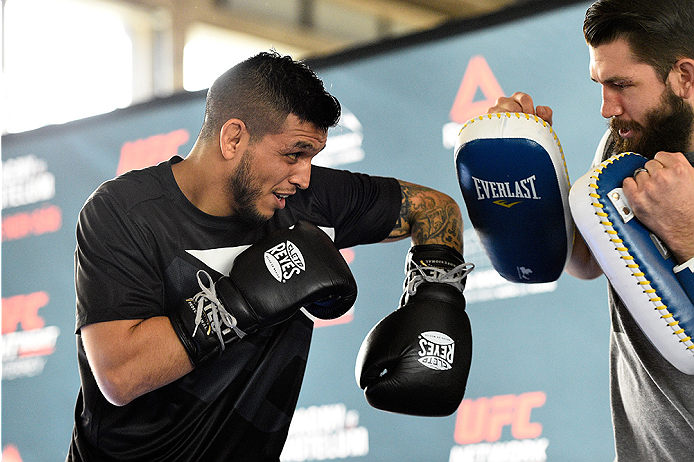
x: 210, y: 51
x: 63, y: 60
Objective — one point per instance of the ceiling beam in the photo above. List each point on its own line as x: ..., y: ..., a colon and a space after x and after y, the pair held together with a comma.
x: 461, y: 8
x: 415, y: 16
x: 207, y: 12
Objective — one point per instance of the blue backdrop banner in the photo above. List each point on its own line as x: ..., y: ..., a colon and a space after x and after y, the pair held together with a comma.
x: 538, y: 388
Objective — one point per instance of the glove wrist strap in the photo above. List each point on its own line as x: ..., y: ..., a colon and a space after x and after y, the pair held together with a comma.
x: 434, y: 263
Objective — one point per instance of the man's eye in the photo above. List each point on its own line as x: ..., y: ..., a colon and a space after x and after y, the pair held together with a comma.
x: 293, y: 156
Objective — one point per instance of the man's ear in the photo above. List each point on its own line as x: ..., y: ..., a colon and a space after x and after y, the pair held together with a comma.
x: 233, y: 138
x: 683, y: 78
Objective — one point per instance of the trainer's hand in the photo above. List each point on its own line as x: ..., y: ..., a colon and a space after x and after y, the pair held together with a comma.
x: 662, y: 198
x: 521, y: 102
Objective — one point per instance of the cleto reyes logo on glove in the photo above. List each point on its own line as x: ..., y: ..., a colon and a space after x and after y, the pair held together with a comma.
x: 436, y: 350
x: 284, y: 261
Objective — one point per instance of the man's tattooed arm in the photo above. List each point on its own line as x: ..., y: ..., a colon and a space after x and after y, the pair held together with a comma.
x: 429, y: 217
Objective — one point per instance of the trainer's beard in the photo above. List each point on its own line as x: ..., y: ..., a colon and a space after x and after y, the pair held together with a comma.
x: 668, y: 128
x: 245, y: 193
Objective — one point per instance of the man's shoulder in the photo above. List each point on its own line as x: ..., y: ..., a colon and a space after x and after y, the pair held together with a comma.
x: 134, y: 187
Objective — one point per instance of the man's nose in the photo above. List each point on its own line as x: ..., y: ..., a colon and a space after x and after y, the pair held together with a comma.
x: 301, y: 174
x: 611, y: 104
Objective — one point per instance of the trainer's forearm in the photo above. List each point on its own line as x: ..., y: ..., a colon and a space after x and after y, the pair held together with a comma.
x: 132, y: 357
x: 428, y: 217
x: 582, y: 264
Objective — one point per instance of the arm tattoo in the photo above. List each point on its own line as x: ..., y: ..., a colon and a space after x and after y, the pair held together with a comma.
x: 429, y: 216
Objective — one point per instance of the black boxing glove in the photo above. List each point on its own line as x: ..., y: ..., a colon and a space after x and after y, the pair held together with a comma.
x: 269, y: 282
x: 417, y: 359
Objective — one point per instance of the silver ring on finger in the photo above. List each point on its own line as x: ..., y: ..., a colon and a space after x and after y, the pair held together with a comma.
x: 639, y: 170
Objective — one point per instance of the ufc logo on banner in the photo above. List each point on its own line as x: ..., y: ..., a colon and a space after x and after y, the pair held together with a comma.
x: 484, y: 419
x: 22, y: 310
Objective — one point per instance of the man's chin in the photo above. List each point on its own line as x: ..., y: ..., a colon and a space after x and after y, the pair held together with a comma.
x: 253, y: 218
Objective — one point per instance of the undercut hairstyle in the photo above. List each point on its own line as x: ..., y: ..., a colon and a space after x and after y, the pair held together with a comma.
x: 659, y: 32
x: 262, y: 91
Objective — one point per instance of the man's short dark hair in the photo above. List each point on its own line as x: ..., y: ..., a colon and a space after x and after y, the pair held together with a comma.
x: 659, y: 32
x: 262, y: 91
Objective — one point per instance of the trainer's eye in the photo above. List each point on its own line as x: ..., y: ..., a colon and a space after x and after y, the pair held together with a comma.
x: 621, y: 85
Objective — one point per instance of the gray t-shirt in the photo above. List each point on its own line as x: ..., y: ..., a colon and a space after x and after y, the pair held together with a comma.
x: 652, y: 401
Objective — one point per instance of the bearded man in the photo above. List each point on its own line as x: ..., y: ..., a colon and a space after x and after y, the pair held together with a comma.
x: 642, y: 55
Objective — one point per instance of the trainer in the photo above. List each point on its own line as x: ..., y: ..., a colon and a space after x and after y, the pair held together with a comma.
x: 191, y: 277
x: 642, y: 56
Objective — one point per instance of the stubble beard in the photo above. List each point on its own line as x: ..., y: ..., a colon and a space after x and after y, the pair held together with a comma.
x: 245, y: 193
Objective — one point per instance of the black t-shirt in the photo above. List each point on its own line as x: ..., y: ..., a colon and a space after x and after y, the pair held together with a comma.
x: 140, y: 243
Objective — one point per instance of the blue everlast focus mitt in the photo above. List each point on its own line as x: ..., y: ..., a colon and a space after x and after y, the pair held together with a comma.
x: 515, y: 184
x: 641, y: 269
